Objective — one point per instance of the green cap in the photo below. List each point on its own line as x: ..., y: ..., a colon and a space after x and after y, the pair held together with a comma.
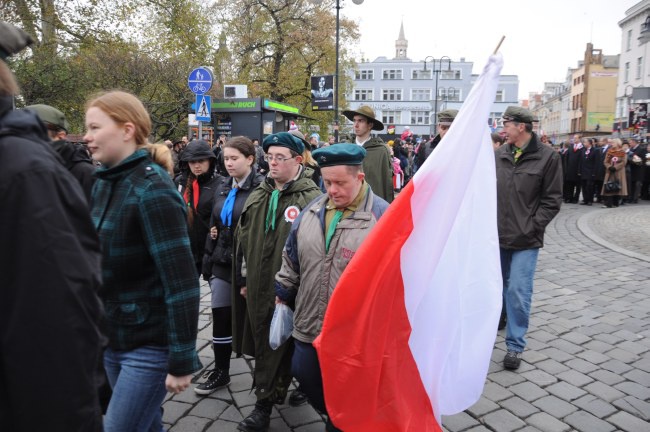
x: 283, y: 139
x: 518, y: 114
x: 446, y: 117
x: 50, y: 115
x: 339, y: 154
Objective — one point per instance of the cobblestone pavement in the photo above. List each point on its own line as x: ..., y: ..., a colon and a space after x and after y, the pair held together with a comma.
x: 587, y: 364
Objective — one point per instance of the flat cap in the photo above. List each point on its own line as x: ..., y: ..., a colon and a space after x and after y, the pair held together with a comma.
x: 301, y: 137
x: 51, y: 115
x: 518, y: 114
x: 339, y: 154
x: 446, y: 117
x: 283, y: 139
x: 12, y: 40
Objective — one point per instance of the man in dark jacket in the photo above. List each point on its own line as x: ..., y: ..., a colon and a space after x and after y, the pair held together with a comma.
x: 588, y: 171
x: 50, y: 270
x: 445, y: 119
x: 75, y: 157
x: 529, y: 195
x: 636, y: 161
x: 572, y: 171
x: 378, y: 164
x: 599, y: 178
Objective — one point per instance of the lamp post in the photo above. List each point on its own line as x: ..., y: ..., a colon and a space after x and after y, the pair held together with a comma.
x: 336, y: 77
x: 436, y: 70
x: 628, y: 95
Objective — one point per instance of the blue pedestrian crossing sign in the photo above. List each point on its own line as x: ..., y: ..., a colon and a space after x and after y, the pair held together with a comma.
x: 203, y: 107
x: 200, y: 80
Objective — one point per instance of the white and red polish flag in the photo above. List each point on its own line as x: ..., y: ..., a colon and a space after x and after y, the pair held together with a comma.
x: 411, y: 325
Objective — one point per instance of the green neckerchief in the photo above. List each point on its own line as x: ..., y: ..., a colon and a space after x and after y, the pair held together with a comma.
x: 332, y: 228
x: 518, y: 151
x: 273, y: 207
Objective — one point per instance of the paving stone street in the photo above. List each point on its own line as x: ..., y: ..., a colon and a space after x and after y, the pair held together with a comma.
x: 587, y: 364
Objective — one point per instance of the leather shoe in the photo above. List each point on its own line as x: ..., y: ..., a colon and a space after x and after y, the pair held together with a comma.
x: 297, y: 398
x: 512, y: 360
x: 259, y: 419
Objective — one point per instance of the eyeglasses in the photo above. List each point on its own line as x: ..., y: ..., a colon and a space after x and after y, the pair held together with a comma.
x: 278, y: 159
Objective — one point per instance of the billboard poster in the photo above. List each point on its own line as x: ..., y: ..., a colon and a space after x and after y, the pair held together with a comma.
x: 322, y: 93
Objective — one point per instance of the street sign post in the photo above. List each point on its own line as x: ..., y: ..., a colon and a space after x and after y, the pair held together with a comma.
x: 200, y: 81
x: 203, y: 103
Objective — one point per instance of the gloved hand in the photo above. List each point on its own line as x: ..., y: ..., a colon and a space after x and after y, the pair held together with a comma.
x: 612, y: 169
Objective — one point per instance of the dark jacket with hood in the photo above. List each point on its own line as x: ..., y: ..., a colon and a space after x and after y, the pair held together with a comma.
x: 426, y: 149
x: 217, y: 260
x: 199, y: 220
x: 76, y: 160
x: 49, y: 277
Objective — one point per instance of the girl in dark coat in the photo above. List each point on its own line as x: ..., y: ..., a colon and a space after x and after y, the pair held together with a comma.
x: 229, y: 198
x: 197, y: 188
x: 587, y: 171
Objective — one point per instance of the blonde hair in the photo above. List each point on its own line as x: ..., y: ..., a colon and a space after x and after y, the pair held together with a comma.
x: 617, y: 142
x: 161, y: 155
x: 307, y: 158
x: 123, y: 107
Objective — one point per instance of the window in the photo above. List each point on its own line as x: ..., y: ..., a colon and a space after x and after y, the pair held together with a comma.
x: 500, y: 97
x: 392, y: 74
x: 626, y: 73
x: 391, y: 117
x: 450, y: 74
x: 449, y: 94
x: 629, y: 40
x: 421, y: 94
x: 364, y: 74
x: 363, y: 94
x: 391, y: 95
x: 420, y: 74
x: 639, y: 66
x: 420, y: 117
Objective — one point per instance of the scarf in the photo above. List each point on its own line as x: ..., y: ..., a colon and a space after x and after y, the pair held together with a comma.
x: 226, y: 211
x: 332, y: 228
x: 273, y: 207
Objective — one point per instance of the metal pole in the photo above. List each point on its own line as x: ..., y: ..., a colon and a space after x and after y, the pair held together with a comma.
x: 200, y: 130
x: 435, y: 105
x: 336, y: 93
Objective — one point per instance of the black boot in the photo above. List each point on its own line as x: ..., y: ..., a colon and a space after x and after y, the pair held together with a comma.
x: 259, y: 419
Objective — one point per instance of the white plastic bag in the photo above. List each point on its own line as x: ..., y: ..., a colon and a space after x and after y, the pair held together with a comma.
x: 281, y: 325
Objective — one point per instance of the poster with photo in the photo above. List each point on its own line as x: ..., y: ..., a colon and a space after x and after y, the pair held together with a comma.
x: 322, y: 93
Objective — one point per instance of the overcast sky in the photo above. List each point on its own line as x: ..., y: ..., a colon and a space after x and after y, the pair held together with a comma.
x: 543, y: 38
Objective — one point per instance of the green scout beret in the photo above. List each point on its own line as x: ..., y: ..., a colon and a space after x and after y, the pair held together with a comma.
x: 51, y: 115
x: 446, y: 117
x: 339, y: 154
x: 283, y: 139
x: 518, y: 114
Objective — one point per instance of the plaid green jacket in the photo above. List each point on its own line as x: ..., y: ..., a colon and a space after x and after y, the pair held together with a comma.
x: 151, y: 289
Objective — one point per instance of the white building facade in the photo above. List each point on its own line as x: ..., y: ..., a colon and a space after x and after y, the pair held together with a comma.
x: 402, y: 92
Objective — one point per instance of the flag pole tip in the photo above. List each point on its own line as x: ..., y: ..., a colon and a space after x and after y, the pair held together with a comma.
x: 496, y: 50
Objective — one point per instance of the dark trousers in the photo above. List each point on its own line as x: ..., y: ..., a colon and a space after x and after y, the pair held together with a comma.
x: 572, y: 191
x: 598, y: 186
x: 634, y: 191
x: 612, y: 200
x: 587, y: 191
x: 306, y: 369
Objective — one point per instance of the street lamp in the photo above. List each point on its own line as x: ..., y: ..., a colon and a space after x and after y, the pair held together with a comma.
x: 436, y: 70
x: 336, y: 88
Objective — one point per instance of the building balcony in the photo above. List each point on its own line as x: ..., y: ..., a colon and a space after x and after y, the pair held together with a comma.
x: 644, y: 35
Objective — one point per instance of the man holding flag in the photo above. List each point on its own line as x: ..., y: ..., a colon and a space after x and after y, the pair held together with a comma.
x: 529, y: 195
x: 322, y: 241
x: 410, y: 328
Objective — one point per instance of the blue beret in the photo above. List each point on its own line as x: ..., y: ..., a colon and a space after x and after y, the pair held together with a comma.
x: 339, y: 154
x: 283, y: 139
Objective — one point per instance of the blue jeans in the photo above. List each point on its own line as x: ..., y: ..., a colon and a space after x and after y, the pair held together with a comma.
x: 138, y: 381
x: 518, y: 271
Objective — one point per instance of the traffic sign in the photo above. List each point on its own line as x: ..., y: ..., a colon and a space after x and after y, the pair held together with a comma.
x: 203, y: 107
x: 200, y: 80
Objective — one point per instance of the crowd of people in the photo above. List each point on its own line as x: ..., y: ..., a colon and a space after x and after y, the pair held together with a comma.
x: 107, y: 247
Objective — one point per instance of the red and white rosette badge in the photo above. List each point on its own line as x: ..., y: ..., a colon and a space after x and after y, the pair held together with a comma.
x: 291, y: 213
